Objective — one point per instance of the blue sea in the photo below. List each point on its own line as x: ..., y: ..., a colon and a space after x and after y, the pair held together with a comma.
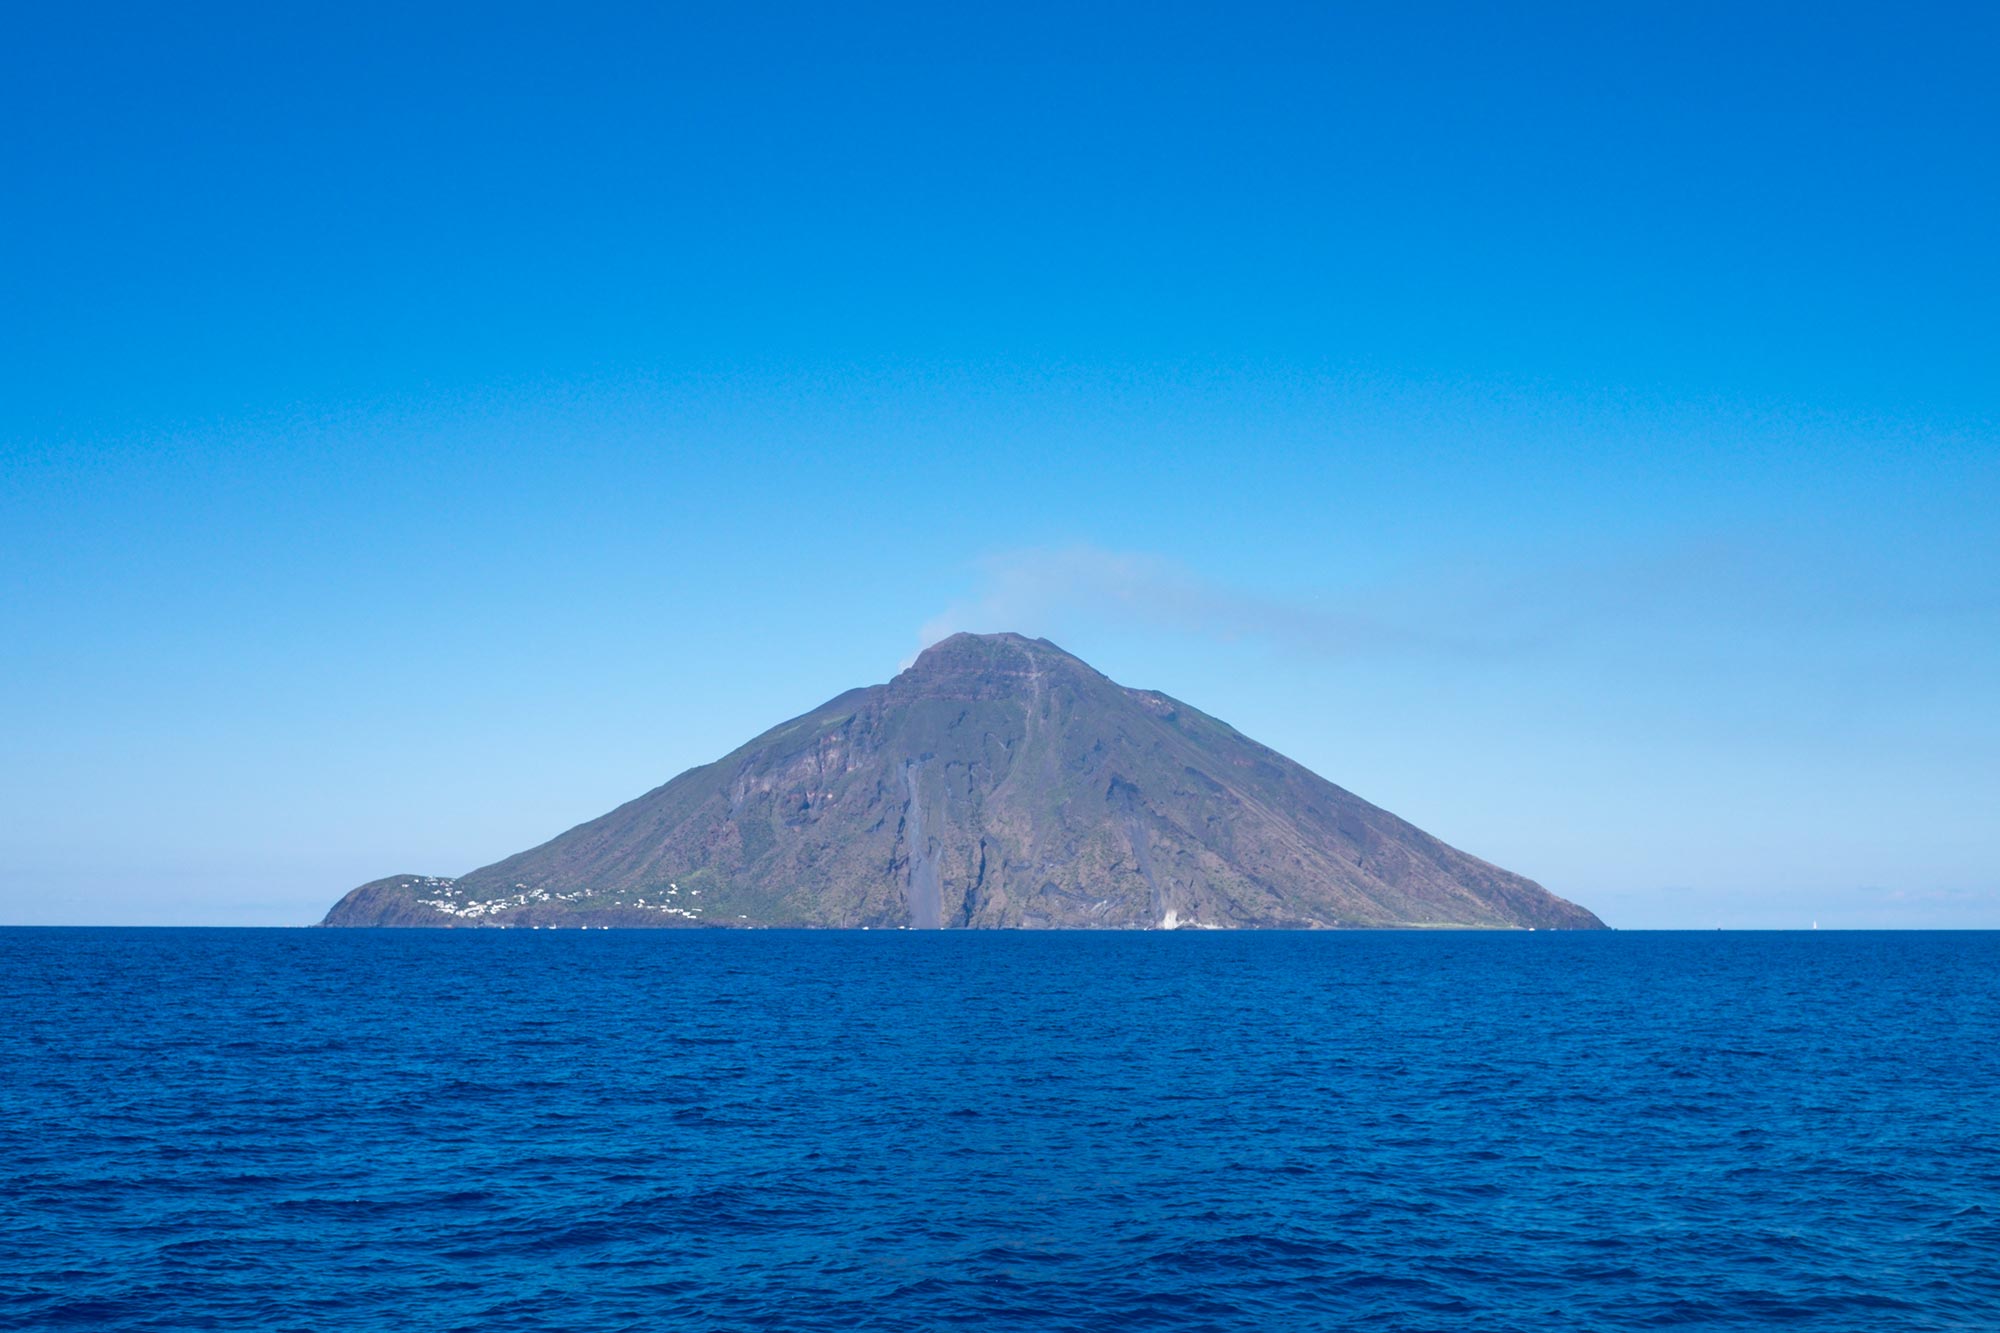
x: 599, y: 1130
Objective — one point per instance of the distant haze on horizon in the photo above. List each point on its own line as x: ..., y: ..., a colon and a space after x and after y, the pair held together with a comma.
x: 1574, y: 433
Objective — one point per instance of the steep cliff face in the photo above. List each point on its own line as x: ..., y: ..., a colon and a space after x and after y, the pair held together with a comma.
x: 999, y: 782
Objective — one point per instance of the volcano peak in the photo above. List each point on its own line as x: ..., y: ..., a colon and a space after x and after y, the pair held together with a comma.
x: 998, y: 781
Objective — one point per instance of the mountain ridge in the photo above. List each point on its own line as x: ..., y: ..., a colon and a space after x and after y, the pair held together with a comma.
x: 998, y: 781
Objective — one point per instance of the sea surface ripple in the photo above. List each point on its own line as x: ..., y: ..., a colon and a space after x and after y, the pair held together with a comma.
x: 585, y: 1130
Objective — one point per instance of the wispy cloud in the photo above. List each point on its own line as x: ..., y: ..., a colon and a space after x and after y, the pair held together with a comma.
x: 1039, y: 589
x: 1476, y: 612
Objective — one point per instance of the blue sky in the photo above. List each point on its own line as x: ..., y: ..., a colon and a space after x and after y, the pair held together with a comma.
x: 1573, y: 429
